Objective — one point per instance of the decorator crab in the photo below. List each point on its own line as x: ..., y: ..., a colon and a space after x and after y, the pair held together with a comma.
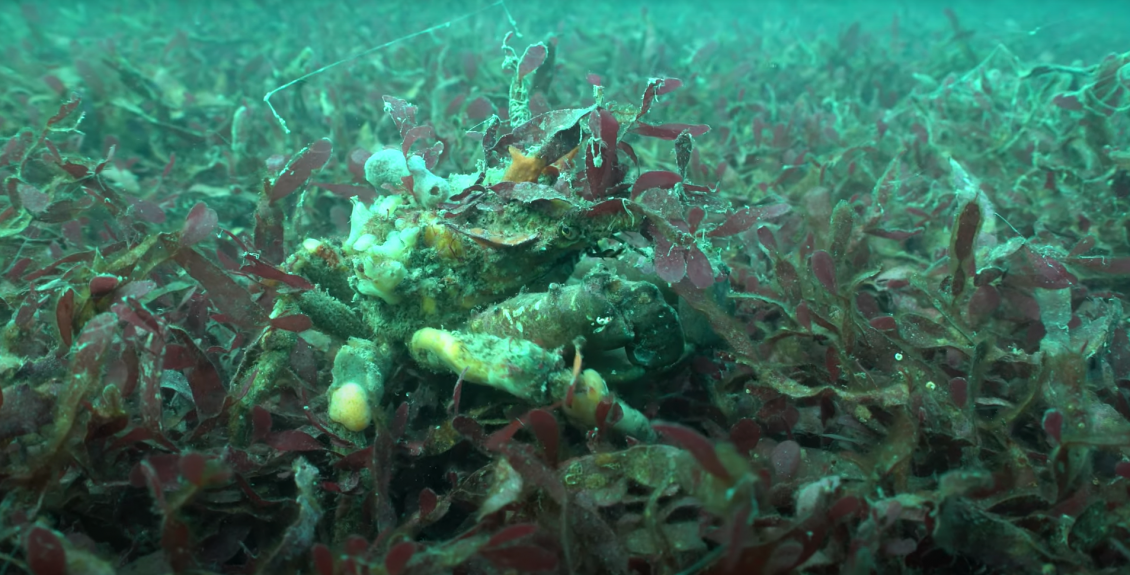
x: 473, y: 274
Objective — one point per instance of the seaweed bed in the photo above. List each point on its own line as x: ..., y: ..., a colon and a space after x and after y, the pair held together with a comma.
x: 868, y: 277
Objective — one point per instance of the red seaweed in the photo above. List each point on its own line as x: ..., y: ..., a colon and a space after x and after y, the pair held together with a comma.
x: 889, y: 276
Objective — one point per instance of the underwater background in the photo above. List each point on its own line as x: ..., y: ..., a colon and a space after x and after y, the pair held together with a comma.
x: 475, y: 287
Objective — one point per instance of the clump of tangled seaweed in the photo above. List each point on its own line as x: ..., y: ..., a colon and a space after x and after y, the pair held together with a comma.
x: 838, y: 303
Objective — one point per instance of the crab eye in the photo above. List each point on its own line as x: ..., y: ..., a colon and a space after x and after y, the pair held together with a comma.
x: 568, y: 232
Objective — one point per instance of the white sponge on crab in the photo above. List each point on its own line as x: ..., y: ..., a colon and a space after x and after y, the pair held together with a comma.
x: 380, y: 266
x: 365, y: 220
x: 386, y: 166
x: 429, y: 189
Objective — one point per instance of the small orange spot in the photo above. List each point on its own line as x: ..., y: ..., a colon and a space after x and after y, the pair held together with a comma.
x: 327, y: 255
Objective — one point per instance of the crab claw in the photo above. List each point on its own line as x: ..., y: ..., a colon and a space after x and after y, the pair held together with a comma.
x: 513, y: 365
x: 591, y: 404
x: 608, y: 311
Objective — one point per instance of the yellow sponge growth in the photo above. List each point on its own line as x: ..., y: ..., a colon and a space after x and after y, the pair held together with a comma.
x: 589, y: 392
x: 446, y: 244
x: 587, y: 395
x: 349, y: 406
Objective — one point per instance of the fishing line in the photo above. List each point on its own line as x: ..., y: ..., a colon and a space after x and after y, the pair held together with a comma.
x: 267, y: 96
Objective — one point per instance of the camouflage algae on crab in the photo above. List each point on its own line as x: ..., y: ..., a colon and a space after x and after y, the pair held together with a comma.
x: 416, y: 260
